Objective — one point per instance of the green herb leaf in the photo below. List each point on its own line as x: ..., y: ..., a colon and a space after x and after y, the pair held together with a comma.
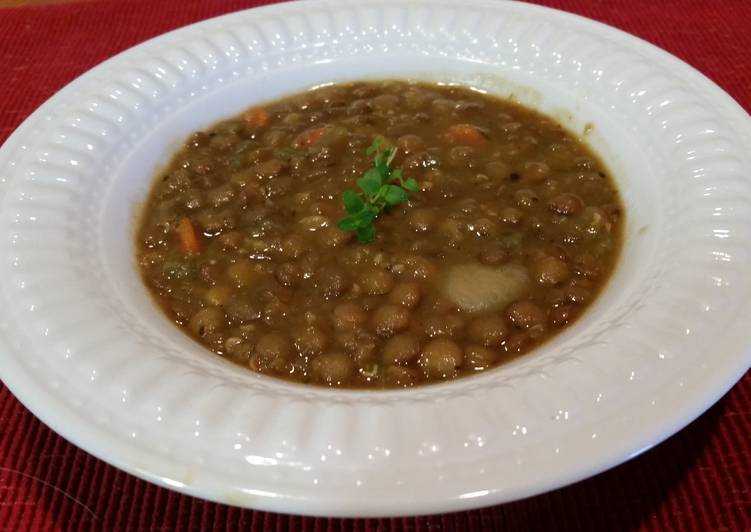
x: 390, y: 154
x: 377, y: 143
x: 177, y: 269
x: 348, y: 223
x: 352, y: 202
x: 289, y: 153
x: 394, y: 195
x: 370, y: 182
x: 380, y: 187
x: 366, y: 233
x: 368, y: 215
x: 243, y: 146
x: 411, y: 185
x: 381, y: 165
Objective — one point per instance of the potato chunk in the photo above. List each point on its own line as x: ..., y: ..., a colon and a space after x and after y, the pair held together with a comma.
x: 475, y: 287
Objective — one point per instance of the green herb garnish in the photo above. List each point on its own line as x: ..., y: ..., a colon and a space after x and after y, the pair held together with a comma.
x: 289, y: 154
x: 381, y: 187
x: 176, y: 268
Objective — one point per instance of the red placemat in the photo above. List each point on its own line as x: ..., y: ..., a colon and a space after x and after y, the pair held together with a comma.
x: 699, y: 479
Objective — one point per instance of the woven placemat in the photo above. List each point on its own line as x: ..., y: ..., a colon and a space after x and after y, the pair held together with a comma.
x: 699, y: 479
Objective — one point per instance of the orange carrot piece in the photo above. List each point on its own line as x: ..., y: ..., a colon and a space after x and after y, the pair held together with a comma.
x: 187, y: 236
x: 257, y: 117
x: 308, y: 137
x: 464, y: 134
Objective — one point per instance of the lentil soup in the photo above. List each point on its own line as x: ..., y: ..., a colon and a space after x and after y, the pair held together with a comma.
x: 494, y: 229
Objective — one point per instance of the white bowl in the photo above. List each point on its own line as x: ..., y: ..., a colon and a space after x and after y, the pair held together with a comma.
x: 86, y: 350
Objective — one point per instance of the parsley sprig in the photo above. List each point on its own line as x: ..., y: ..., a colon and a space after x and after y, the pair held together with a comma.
x: 381, y: 187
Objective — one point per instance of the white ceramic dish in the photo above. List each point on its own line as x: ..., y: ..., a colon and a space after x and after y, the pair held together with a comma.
x: 87, y: 352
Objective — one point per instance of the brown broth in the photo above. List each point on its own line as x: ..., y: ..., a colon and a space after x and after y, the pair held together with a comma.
x: 514, y: 232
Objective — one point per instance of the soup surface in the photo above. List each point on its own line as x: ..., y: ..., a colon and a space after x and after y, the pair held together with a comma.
x: 473, y: 230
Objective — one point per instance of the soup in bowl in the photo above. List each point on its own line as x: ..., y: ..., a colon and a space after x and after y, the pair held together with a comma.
x: 379, y: 234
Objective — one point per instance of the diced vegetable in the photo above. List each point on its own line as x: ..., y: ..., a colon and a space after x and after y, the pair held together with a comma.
x: 310, y: 136
x: 474, y: 287
x: 464, y: 134
x: 187, y: 236
x: 289, y: 154
x: 177, y: 268
x: 257, y: 117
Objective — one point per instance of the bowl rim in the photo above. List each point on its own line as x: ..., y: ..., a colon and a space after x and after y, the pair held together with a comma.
x: 685, y: 406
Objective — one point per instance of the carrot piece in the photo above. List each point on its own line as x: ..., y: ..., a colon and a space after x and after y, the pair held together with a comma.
x: 464, y: 134
x: 187, y: 236
x: 257, y: 117
x: 308, y: 137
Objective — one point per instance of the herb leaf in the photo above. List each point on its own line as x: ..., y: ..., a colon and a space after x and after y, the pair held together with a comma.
x: 394, y: 195
x: 368, y: 215
x: 377, y: 143
x: 352, y: 202
x: 380, y: 187
x: 348, y: 223
x: 370, y: 182
x: 411, y: 185
x: 288, y: 154
x: 366, y: 233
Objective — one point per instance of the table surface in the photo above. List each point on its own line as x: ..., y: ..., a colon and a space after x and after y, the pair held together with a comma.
x: 700, y: 479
